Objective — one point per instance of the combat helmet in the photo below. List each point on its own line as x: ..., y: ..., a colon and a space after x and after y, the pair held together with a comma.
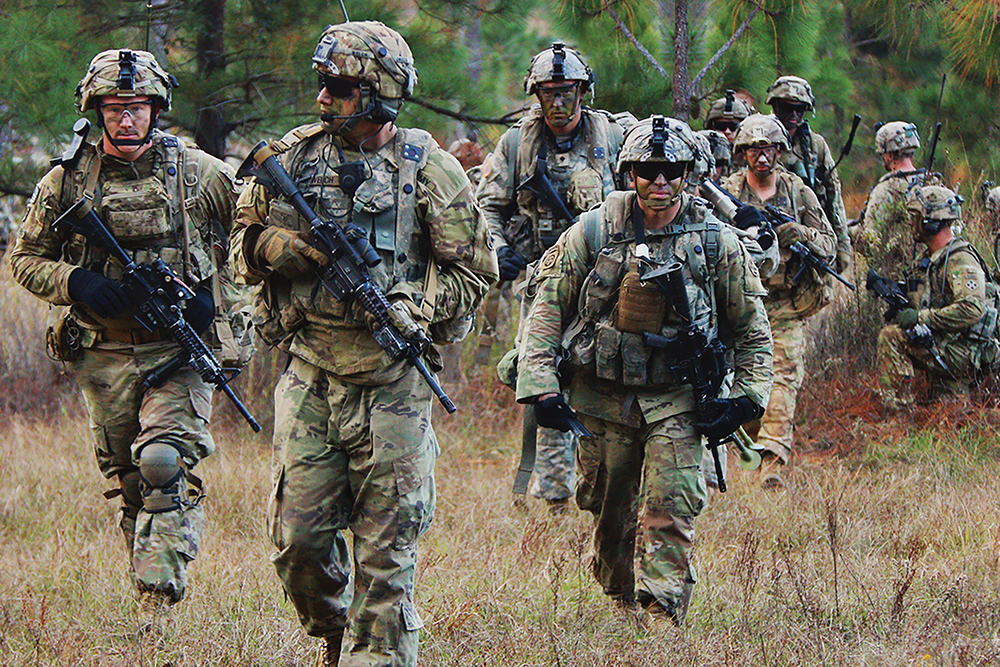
x: 728, y: 108
x: 759, y: 129
x: 375, y: 54
x: 936, y: 206
x: 792, y: 88
x: 658, y: 139
x: 124, y: 73
x: 895, y: 137
x: 558, y: 63
x: 704, y: 164
x: 718, y: 145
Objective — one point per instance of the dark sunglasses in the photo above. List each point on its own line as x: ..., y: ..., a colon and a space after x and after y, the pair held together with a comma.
x: 648, y: 171
x: 341, y: 89
x: 791, y: 107
x: 723, y: 125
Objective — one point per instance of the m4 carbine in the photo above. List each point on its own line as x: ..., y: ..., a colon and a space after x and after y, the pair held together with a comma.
x: 890, y: 292
x: 346, y: 275
x: 157, y: 295
x: 695, y: 359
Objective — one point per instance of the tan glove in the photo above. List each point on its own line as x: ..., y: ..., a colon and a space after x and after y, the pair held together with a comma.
x: 791, y: 232
x: 844, y: 258
x: 288, y: 252
x: 402, y: 318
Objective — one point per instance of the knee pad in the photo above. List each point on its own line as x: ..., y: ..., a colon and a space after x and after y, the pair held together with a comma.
x: 162, y: 478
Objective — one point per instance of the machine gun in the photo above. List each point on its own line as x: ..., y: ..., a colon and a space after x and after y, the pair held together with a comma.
x: 889, y: 292
x: 346, y: 275
x: 157, y: 294
x: 727, y: 205
x: 696, y: 359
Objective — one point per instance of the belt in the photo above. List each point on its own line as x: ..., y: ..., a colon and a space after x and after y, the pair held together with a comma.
x: 133, y: 336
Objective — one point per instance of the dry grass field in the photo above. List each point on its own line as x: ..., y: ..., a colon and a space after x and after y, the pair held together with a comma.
x: 883, y: 549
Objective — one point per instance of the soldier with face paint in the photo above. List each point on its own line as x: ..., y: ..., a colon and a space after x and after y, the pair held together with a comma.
x: 640, y: 470
x: 574, y: 148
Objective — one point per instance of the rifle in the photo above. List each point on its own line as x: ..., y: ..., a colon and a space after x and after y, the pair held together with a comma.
x: 931, y: 150
x: 847, y: 146
x: 697, y: 360
x: 69, y: 158
x: 726, y: 205
x: 157, y: 294
x: 540, y: 186
x: 346, y: 275
x: 889, y: 292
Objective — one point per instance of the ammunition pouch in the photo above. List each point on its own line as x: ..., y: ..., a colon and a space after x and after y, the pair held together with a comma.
x: 64, y: 339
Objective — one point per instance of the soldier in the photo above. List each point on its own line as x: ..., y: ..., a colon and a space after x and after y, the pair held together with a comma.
x: 761, y: 140
x: 809, y: 156
x: 162, y: 200
x: 724, y: 116
x: 884, y: 232
x: 354, y: 446
x: 591, y: 310
x: 721, y: 151
x: 574, y: 148
x: 950, y: 297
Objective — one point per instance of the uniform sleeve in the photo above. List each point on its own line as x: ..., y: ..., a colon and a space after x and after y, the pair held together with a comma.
x: 459, y: 239
x: 743, y: 320
x: 496, y: 193
x: 218, y: 199
x: 559, y: 276
x: 36, y: 257
x: 250, y: 218
x: 965, y: 286
x: 821, y: 239
x: 835, y: 211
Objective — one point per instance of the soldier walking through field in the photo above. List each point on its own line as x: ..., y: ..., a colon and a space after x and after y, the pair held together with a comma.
x: 354, y: 446
x: 162, y: 200
x: 790, y: 301
x: 595, y: 309
x: 573, y: 148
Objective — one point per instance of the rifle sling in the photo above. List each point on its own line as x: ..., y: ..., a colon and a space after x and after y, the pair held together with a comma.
x: 529, y: 441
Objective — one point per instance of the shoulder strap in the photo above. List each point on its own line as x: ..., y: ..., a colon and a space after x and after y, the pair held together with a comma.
x: 511, y: 140
x: 413, y: 149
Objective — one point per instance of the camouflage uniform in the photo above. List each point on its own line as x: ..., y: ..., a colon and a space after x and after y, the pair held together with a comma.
x: 141, y: 202
x: 582, y: 173
x: 354, y: 446
x: 642, y: 466
x: 884, y: 238
x: 726, y: 110
x: 789, y: 304
x: 819, y: 158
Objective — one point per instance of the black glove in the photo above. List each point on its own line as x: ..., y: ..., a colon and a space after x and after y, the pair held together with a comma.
x: 554, y: 412
x: 511, y: 263
x: 104, y: 296
x: 199, y: 311
x: 725, y: 415
x: 747, y: 217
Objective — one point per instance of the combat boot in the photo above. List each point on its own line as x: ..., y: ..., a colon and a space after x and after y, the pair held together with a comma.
x: 154, y: 613
x: 331, y: 649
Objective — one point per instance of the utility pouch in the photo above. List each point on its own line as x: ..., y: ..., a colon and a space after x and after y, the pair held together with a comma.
x: 63, y: 339
x: 641, y: 306
x: 607, y: 343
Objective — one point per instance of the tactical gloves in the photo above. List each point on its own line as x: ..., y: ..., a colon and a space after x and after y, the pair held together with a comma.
x: 199, y: 311
x: 792, y: 232
x: 844, y: 258
x: 104, y: 296
x: 747, y: 217
x: 554, y: 412
x: 401, y: 317
x: 907, y: 318
x: 725, y: 415
x: 511, y: 262
x: 287, y: 252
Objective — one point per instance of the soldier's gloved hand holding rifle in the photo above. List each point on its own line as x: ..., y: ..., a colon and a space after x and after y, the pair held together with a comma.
x: 902, y: 313
x: 729, y: 415
x: 511, y: 262
x: 102, y: 295
x: 288, y: 252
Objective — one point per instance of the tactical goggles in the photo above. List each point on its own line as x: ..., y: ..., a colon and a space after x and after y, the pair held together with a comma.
x: 337, y: 87
x: 116, y: 111
x: 753, y: 152
x: 723, y: 125
x: 549, y: 94
x: 648, y: 171
x: 788, y: 108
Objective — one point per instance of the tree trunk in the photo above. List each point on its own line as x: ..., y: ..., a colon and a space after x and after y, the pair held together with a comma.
x: 681, y: 84
x: 210, y: 126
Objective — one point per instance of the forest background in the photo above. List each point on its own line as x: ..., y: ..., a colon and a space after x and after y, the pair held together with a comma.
x: 882, y: 549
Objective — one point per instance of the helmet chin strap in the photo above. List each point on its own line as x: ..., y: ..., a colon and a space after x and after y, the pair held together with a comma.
x: 121, y: 144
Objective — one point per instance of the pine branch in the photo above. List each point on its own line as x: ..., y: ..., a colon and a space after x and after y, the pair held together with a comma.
x: 506, y: 119
x: 635, y: 42
x: 696, y: 82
